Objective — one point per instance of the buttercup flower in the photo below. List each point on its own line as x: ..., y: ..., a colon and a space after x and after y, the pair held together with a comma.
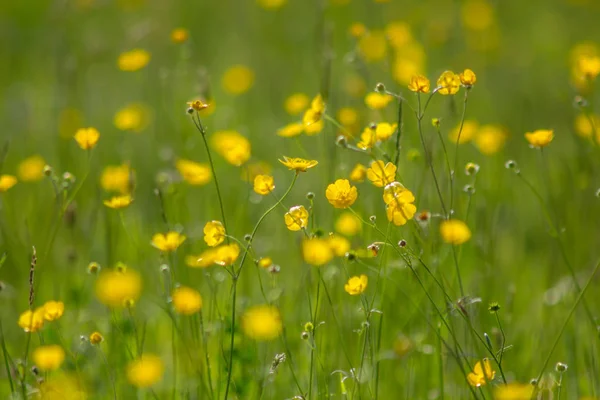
x: 348, y: 117
x: 358, y: 173
x: 96, y: 338
x: 87, y: 138
x: 348, y: 224
x: 115, y: 289
x: 468, y: 132
x: 419, y: 84
x: 296, y: 218
x: 197, y: 105
x: 237, y: 79
x: 53, y: 310
x: 399, y: 201
x: 467, y: 78
x: 186, y: 301
x: 117, y: 202
x: 179, y: 35
x: 313, y: 117
x: 298, y: 164
x: 133, y: 60
x: 32, y: 321
x: 481, y: 374
x: 339, y: 245
x: 271, y: 4
x: 398, y: 34
x: 167, y: 242
x: 117, y: 179
x: 214, y: 233
x: 265, y: 262
x: 586, y: 125
x: 589, y: 66
x: 193, y: 173
x: 377, y: 101
x: 540, y: 138
x: 48, y: 358
x: 296, y: 103
x: 145, y: 371
x: 31, y: 169
x: 356, y: 285
x: 373, y: 46
x: 316, y: 251
x: 6, y: 182
x: 232, y: 146
x: 381, y: 174
x: 514, y: 391
x: 263, y: 184
x: 132, y: 118
x: 340, y: 194
x: 368, y: 138
x: 490, y: 139
x: 385, y: 130
x: 448, y: 83
x: 291, y: 130
x: 204, y: 260
x: 455, y: 232
x: 262, y: 323
x: 226, y: 254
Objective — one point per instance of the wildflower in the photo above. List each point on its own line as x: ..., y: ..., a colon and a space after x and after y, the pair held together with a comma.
x: 467, y: 78
x: 589, y: 66
x: 117, y: 178
x: 448, y: 83
x: 179, y: 35
x: 373, y: 46
x: 32, y: 321
x: 226, y: 254
x: 348, y: 224
x: 214, y: 233
x: 204, y: 260
x: 358, y: 173
x: 586, y: 125
x: 53, y: 310
x: 263, y: 184
x: 398, y: 34
x: 133, y: 117
x: 494, y: 307
x: 255, y: 169
x: 48, y: 358
x: 193, y: 173
x: 313, y: 117
x: 117, y: 202
x: 477, y: 15
x: 339, y: 245
x: 471, y: 169
x: 540, y: 138
x: 145, y: 371
x: 61, y: 387
x: 291, y: 130
x: 298, y: 164
x: 381, y: 174
x: 296, y: 103
x: 6, y: 182
x: 399, y: 200
x: 93, y: 268
x: 419, y: 84
x: 481, y: 373
x: 186, y: 301
x: 133, y: 60
x: 468, y: 132
x: 490, y: 139
x: 514, y: 391
x: 262, y: 322
x: 167, y: 242
x: 232, y: 146
x: 31, y: 169
x: 377, y: 101
x: 357, y: 30
x: 96, y: 338
x: 296, y: 218
x: 455, y: 232
x: 316, y: 251
x: 340, y: 194
x: 271, y: 4
x: 356, y: 285
x: 115, y: 289
x: 368, y: 138
x: 348, y: 117
x: 237, y: 79
x: 265, y: 262
x: 385, y: 130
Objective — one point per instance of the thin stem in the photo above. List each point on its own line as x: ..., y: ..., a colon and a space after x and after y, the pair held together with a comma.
x: 5, y: 354
x: 398, y: 134
x: 111, y: 378
x: 453, y: 172
x: 206, y: 357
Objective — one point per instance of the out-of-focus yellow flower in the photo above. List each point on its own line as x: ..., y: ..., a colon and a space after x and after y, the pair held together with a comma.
x: 398, y: 34
x: 586, y: 125
x: 117, y: 178
x: 6, y: 182
x: 48, y: 358
x: 53, y: 310
x: 145, y: 371
x: 61, y: 387
x: 467, y: 77
x: 540, y: 138
x: 515, y: 391
x: 355, y: 85
x: 377, y: 101
x: 298, y: 164
x: 115, y: 289
x: 385, y: 130
x: 358, y: 173
x: 490, y: 139
x: 481, y: 374
x: 262, y: 323
x: 296, y: 218
x: 31, y: 169
x: 133, y: 60
x: 399, y: 201
x: 373, y: 46
x: 313, y: 117
x: 271, y: 4
x: 381, y: 174
x: 408, y: 61
x: 448, y: 83
x: 468, y: 132
x: 265, y: 262
x: 341, y: 194
x: 316, y: 251
x: 167, y: 242
x: 204, y: 260
x: 227, y: 254
x: 87, y: 138
x: 237, y: 79
x: 419, y: 83
x: 96, y: 338
x: 348, y: 117
x: 263, y: 184
x: 186, y: 301
x: 357, y: 30
x: 232, y: 146
x: 133, y: 118
x: 339, y: 245
x: 214, y: 233
x: 477, y: 15
x: 455, y: 232
x: 117, y: 202
x: 589, y: 66
x: 356, y: 285
x: 32, y: 321
x: 368, y: 138
x: 296, y: 103
x: 179, y: 35
x: 291, y: 130
x: 348, y: 224
x: 193, y: 173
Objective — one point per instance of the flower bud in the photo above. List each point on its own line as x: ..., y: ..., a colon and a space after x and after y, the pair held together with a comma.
x: 305, y: 335
x: 93, y: 268
x: 373, y: 219
x: 380, y: 88
x: 560, y: 367
x: 402, y: 243
x: 471, y: 169
x: 310, y: 195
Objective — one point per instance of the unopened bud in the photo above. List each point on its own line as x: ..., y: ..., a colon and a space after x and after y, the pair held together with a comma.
x: 247, y: 237
x: 560, y: 367
x: 310, y: 195
x: 402, y: 243
x: 341, y: 141
x: 190, y: 110
x: 47, y: 170
x: 373, y: 219
x: 471, y: 168
x: 380, y: 88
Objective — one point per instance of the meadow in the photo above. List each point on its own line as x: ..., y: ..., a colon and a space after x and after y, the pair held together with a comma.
x: 285, y: 199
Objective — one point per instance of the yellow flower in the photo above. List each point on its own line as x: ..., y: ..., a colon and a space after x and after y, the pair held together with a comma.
x: 198, y: 105
x: 237, y: 79
x: 32, y: 321
x: 61, y: 387
x: 48, y: 358
x: 133, y: 118
x: 368, y: 138
x: 419, y: 83
x: 204, y: 260
x: 133, y: 60
x: 467, y: 77
x: 6, y: 182
x: 385, y: 130
x: 348, y: 224
x: 53, y: 310
x: 115, y: 289
x: 586, y: 125
x: 186, y: 301
x: 298, y: 164
x: 96, y: 338
x: 255, y: 169
x: 340, y: 194
x: 271, y: 4
x: 540, y: 138
x: 381, y: 174
x: 349, y: 118
x: 313, y: 128
x: 490, y: 139
x: 232, y: 146
x: 396, y: 194
x: 313, y: 117
x: 356, y: 285
x: 117, y: 178
x: 316, y: 251
x: 339, y: 245
x: 469, y: 131
x: 167, y: 242
x: 481, y: 373
x: 357, y: 30
x: 398, y: 34
x: 226, y: 254
x: 214, y: 233
x: 296, y: 218
x: 263, y: 184
x: 87, y: 138
x: 145, y: 371
x: 373, y: 46
x: 265, y: 262
x: 358, y: 173
x: 262, y: 322
x: 179, y: 35
x: 296, y: 103
x: 448, y: 83
x: 589, y: 66
x: 31, y: 169
x: 377, y: 101
x: 193, y: 173
x: 514, y: 391
x: 291, y: 130
x: 117, y: 202
x: 477, y: 15
x: 455, y: 232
